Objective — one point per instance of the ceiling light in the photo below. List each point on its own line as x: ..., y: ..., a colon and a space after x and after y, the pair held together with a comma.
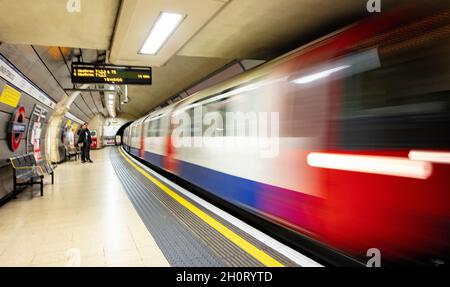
x: 162, y: 29
x: 111, y: 96
x: 111, y: 88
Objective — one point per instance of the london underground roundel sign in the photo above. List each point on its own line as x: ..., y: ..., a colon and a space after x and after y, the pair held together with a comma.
x: 16, y: 128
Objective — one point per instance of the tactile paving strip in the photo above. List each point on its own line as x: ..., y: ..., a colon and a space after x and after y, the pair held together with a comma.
x: 184, y: 238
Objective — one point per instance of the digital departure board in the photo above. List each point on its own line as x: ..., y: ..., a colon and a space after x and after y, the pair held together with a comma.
x: 86, y: 73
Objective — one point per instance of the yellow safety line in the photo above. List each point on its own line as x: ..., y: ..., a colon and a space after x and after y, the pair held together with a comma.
x: 257, y: 253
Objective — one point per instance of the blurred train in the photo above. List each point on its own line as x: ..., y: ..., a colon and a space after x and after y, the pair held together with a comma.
x: 363, y: 138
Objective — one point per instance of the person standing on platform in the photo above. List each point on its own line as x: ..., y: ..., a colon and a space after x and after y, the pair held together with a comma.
x: 84, y: 141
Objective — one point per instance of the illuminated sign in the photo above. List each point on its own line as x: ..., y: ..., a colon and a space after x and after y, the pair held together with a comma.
x: 85, y: 73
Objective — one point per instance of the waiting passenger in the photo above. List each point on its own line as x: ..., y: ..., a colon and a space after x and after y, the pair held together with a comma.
x: 84, y: 142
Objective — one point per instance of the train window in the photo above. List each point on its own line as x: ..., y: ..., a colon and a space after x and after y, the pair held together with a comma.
x: 196, y: 122
x: 179, y: 116
x: 245, y: 106
x: 188, y: 127
x: 303, y: 111
x: 403, y: 104
x: 219, y: 107
x: 149, y: 125
x: 193, y: 127
x: 137, y: 131
x: 161, y: 127
x: 239, y: 100
x: 153, y: 128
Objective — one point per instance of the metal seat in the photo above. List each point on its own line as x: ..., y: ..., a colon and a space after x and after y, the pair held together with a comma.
x: 27, y: 172
x: 71, y: 152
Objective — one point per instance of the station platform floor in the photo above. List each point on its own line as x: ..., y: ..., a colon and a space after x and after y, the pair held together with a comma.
x: 118, y: 212
x: 85, y: 212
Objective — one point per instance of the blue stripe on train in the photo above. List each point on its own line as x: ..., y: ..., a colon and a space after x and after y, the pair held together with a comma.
x: 150, y: 157
x: 155, y: 159
x: 283, y: 203
x: 231, y: 188
x: 134, y: 151
x: 236, y: 189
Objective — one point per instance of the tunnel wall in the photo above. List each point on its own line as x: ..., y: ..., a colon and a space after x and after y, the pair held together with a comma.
x: 96, y: 123
x: 61, y: 139
x: 112, y: 126
x: 6, y: 111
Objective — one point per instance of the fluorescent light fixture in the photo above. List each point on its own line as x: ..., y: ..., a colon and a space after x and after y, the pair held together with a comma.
x: 386, y: 165
x: 111, y: 96
x: 162, y: 29
x: 111, y: 88
x: 320, y: 75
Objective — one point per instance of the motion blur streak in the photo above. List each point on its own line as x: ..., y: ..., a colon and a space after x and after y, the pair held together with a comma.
x: 431, y: 156
x: 396, y: 166
x: 319, y: 75
x: 363, y: 138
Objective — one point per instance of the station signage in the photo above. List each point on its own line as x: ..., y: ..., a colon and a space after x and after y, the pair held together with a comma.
x: 35, y: 127
x: 10, y: 96
x: 88, y: 73
x: 16, y: 128
x: 11, y: 74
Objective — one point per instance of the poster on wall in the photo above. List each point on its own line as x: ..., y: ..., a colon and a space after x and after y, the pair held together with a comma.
x: 10, y: 96
x: 37, y: 120
x: 67, y: 133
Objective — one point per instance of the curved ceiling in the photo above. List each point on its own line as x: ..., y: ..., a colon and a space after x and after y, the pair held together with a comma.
x: 213, y: 33
x: 49, y: 23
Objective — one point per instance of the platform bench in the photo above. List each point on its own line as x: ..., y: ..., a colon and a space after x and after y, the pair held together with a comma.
x: 26, y: 171
x: 71, y: 152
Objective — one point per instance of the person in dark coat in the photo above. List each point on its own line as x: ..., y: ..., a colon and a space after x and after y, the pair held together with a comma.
x: 84, y: 141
